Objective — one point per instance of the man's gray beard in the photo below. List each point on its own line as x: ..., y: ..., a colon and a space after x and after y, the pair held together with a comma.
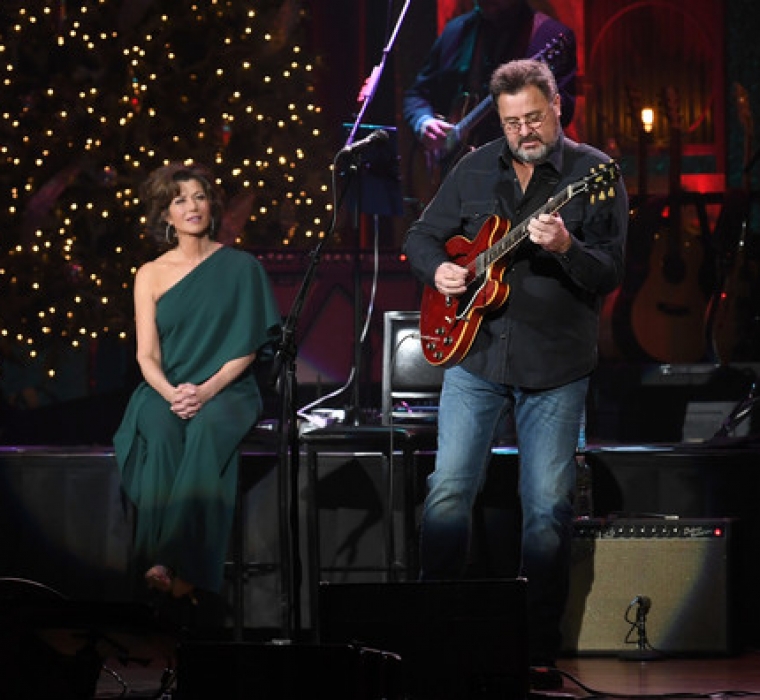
x: 533, y: 156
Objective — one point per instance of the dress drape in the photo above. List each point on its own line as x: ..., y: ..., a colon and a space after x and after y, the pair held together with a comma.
x: 182, y: 474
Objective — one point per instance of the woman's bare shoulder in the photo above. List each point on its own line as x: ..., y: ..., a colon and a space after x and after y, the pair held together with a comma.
x: 156, y: 275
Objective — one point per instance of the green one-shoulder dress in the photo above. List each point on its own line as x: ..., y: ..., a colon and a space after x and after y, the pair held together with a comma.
x: 180, y: 474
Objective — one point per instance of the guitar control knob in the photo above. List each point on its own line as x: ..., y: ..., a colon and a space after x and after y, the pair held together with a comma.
x: 438, y: 356
x: 448, y: 341
x: 439, y: 331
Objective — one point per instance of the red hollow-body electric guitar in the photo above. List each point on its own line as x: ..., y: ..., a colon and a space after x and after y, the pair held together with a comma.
x: 448, y: 325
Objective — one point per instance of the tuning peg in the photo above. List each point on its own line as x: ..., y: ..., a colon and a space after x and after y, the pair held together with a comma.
x: 611, y: 193
x: 602, y: 196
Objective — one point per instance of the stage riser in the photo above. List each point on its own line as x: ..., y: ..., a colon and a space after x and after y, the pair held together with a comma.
x: 63, y: 521
x: 351, y: 488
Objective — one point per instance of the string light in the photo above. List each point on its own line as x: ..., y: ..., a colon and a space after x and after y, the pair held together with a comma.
x: 102, y: 108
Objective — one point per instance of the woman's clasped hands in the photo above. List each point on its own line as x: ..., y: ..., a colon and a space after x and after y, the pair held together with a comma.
x: 186, y: 402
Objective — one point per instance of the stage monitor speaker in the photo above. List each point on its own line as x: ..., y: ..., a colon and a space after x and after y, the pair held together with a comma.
x: 683, y: 566
x: 456, y: 639
x: 245, y: 671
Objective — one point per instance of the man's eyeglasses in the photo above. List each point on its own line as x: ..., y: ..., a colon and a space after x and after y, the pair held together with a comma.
x: 533, y: 121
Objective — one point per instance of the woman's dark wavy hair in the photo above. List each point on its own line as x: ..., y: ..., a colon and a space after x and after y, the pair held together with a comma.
x: 163, y: 185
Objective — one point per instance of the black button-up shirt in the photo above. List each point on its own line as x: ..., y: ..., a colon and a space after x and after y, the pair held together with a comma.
x: 545, y: 335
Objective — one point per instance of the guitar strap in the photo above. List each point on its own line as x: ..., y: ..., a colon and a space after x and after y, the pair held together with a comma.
x: 511, y: 46
x: 468, y: 57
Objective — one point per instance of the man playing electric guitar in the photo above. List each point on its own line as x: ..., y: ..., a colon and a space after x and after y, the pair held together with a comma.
x: 455, y: 75
x: 537, y: 339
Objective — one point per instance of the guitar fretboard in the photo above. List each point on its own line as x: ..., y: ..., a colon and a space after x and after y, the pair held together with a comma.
x: 516, y: 235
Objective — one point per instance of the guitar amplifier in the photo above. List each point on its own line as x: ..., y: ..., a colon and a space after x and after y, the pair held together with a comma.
x: 411, y: 386
x: 683, y: 566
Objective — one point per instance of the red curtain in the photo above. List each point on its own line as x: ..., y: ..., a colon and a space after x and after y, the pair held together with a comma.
x: 450, y: 8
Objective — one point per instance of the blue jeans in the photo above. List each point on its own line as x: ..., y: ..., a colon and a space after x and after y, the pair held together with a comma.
x: 547, y: 425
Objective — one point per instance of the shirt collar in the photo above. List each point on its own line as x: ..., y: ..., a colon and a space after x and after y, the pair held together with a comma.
x: 553, y: 160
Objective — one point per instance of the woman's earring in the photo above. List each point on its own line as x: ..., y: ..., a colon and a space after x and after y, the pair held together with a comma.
x: 213, y: 224
x: 169, y: 235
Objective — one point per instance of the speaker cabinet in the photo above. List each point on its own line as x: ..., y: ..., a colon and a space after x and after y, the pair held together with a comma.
x: 242, y: 671
x: 682, y: 566
x: 456, y: 639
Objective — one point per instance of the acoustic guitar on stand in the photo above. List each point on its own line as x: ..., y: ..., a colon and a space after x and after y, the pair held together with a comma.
x: 615, y: 334
x: 449, y: 325
x: 732, y: 317
x: 667, y: 314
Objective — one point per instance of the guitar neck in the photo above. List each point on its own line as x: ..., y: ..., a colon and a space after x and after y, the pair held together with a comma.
x: 675, y: 161
x: 519, y: 233
x: 675, y: 188
x: 461, y: 131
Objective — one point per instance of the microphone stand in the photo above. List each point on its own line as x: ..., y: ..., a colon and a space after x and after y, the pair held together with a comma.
x: 366, y: 95
x: 643, y: 651
x: 740, y: 412
x: 283, y: 376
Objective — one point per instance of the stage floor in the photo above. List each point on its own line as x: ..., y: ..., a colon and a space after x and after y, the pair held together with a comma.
x: 600, y: 677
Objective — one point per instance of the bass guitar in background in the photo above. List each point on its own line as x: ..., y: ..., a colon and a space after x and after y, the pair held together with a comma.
x: 733, y: 316
x: 467, y: 112
x: 668, y: 312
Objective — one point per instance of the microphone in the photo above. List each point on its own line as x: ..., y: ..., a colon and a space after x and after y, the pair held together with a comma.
x: 644, y: 604
x: 375, y: 137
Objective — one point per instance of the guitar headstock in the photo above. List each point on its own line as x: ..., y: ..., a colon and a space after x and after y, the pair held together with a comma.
x: 672, y: 105
x: 633, y: 97
x: 600, y: 182
x: 745, y: 113
x: 555, y: 49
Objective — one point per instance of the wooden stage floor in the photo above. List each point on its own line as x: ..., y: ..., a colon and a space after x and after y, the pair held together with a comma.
x: 597, y: 677
x: 685, y: 678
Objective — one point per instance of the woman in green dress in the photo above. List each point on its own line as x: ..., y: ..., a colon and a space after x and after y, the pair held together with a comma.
x: 202, y: 311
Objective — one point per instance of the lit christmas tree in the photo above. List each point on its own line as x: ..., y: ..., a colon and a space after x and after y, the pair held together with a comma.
x: 97, y: 94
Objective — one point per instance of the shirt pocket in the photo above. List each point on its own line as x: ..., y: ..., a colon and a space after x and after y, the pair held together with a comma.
x: 474, y: 214
x: 573, y: 215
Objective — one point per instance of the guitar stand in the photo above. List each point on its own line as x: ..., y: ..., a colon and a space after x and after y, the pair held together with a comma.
x: 739, y: 413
